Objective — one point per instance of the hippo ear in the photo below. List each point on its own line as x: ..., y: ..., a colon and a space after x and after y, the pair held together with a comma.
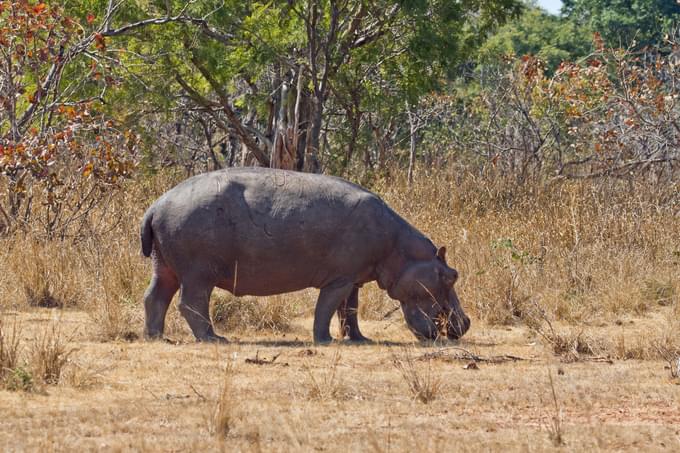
x: 441, y: 254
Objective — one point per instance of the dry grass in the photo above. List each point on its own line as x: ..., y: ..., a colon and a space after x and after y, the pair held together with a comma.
x: 15, y: 374
x: 224, y: 411
x: 326, y: 383
x: 9, y: 349
x: 82, y: 376
x: 424, y: 385
x: 671, y: 355
x: 555, y: 424
x: 582, y: 250
x: 41, y: 362
x: 231, y: 313
x: 158, y: 396
x: 41, y: 273
x: 49, y: 355
x: 572, y: 272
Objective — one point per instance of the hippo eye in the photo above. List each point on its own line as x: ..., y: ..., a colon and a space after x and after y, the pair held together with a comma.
x: 449, y: 278
x: 455, y: 277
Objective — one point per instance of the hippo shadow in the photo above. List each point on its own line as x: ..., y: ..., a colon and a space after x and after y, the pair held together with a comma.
x: 308, y: 344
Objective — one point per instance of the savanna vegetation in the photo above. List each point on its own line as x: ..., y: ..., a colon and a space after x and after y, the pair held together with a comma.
x: 542, y: 150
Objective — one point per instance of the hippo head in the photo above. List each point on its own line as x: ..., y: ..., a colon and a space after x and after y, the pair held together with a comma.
x: 429, y: 302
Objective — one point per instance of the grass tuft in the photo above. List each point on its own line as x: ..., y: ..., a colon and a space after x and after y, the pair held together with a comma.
x: 555, y: 425
x: 223, y: 415
x: 20, y: 379
x: 424, y: 385
x: 231, y: 313
x: 9, y: 346
x: 326, y: 384
x: 49, y: 355
x: 46, y: 272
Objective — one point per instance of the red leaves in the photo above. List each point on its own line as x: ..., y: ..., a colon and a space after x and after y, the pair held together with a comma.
x: 55, y: 144
x: 532, y: 69
x: 99, y: 42
x: 598, y: 42
x: 39, y: 8
x: 67, y: 110
x: 660, y: 103
x: 87, y: 169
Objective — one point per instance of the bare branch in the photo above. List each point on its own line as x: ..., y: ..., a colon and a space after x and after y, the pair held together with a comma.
x: 241, y: 130
x: 202, y: 23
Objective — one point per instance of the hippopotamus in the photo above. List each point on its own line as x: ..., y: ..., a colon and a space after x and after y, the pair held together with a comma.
x: 261, y: 232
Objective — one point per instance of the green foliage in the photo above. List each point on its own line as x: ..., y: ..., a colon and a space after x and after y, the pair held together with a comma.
x: 19, y: 379
x: 624, y: 23
x: 548, y: 37
x: 517, y: 255
x: 249, y: 48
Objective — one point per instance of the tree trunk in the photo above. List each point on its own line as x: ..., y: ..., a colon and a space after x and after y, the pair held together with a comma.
x: 355, y: 122
x: 282, y: 154
x: 314, y: 139
x: 413, y: 137
x: 299, y: 136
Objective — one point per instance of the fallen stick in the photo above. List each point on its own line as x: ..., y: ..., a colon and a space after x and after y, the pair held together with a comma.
x: 258, y: 361
x: 464, y: 354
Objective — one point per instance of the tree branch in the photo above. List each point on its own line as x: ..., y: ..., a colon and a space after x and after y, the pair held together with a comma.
x: 241, y: 130
x: 180, y: 18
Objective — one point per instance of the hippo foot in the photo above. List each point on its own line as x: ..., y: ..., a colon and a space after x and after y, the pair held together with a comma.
x: 359, y: 340
x: 212, y: 339
x: 153, y: 336
x: 323, y: 341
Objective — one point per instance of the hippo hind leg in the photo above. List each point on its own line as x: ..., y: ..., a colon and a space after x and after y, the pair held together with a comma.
x: 194, y: 304
x: 158, y: 296
x: 347, y: 315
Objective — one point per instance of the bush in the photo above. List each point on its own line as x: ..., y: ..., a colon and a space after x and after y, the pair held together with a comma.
x: 615, y: 113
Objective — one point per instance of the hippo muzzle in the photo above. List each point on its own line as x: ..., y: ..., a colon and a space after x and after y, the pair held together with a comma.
x: 430, y: 321
x: 455, y: 326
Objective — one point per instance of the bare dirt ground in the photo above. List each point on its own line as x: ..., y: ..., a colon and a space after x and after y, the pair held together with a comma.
x: 160, y: 396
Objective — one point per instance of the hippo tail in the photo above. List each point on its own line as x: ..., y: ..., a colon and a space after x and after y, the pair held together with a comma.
x: 147, y: 233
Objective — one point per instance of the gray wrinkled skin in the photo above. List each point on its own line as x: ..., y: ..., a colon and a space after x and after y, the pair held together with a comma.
x: 257, y: 231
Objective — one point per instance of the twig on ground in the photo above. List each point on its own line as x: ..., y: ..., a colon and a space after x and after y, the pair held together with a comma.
x: 258, y: 361
x: 203, y: 398
x: 464, y: 354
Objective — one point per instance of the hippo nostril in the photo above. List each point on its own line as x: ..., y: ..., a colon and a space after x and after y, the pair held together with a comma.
x: 457, y: 327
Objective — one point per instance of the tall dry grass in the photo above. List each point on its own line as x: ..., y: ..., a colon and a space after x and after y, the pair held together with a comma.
x: 224, y: 413
x: 10, y: 347
x: 582, y: 251
x: 28, y: 365
x: 230, y: 313
x: 325, y: 384
x: 98, y: 268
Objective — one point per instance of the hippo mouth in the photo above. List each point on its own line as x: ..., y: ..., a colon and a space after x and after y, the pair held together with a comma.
x: 451, y: 326
x: 444, y: 324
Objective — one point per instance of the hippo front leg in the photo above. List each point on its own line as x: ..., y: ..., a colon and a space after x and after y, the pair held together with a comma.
x: 330, y: 298
x: 349, y: 322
